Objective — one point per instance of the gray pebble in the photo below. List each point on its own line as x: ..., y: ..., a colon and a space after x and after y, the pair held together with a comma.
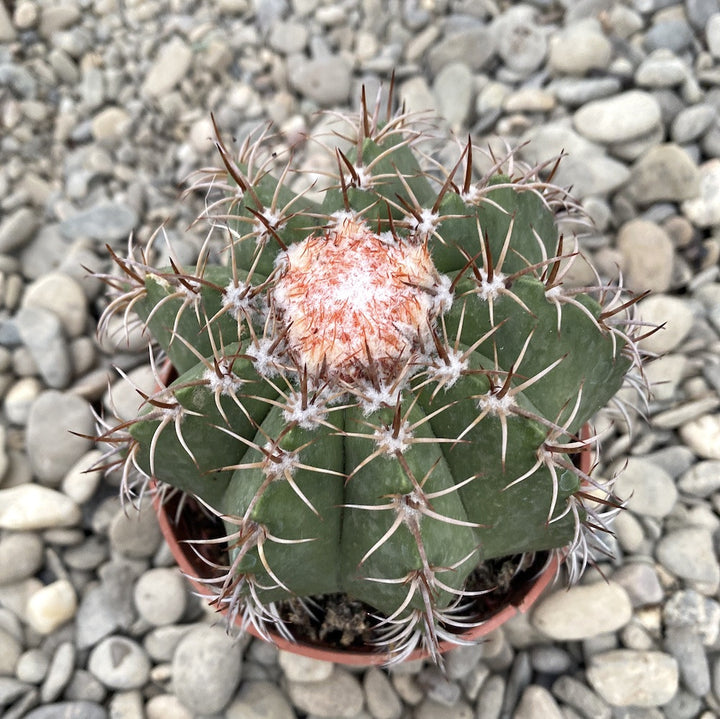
x: 640, y: 581
x: 536, y: 701
x: 490, y: 700
x: 662, y: 68
x: 21, y: 555
x: 170, y: 65
x: 59, y: 672
x: 259, y: 700
x: 135, y: 533
x: 438, y: 687
x: 699, y: 12
x: 579, y: 696
x: 32, y: 666
x: 573, y: 92
x: 475, y: 46
x: 105, y: 222
x: 702, y: 479
x: 688, y: 553
x: 119, y: 663
x: 325, y: 81
x: 692, y: 122
x: 69, y: 710
x: 550, y: 659
x: 83, y: 686
x: 521, y: 41
x: 52, y: 449
x: 675, y: 35
x: 160, y: 596
x: 42, y: 333
x: 583, y: 611
x: 625, y: 677
x: 687, y: 648
x: 340, y: 695
x: 664, y: 172
x: 579, y: 48
x: 62, y: 295
x: 621, y: 118
x: 646, y: 488
x: 10, y: 651
x: 206, y: 669
x: 17, y: 228
x: 689, y: 608
x: 381, y: 698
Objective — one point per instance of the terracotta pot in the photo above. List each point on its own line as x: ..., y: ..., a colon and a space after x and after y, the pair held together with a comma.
x: 176, y: 527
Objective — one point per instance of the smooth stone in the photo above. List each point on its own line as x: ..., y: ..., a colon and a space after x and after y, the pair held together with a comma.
x: 698, y: 12
x: 692, y: 122
x: 574, y: 91
x: 429, y: 709
x: 338, y: 696
x: 536, y: 701
x: 20, y: 397
x: 161, y: 596
x: 160, y: 643
x: 10, y: 652
x: 623, y: 117
x: 206, y: 669
x: 521, y: 41
x: 17, y: 228
x: 672, y: 312
x: 712, y: 34
x: 704, y: 209
x: 662, y: 68
x: 579, y: 48
x: 299, y: 668
x: 51, y: 606
x: 21, y: 556
x: 119, y: 663
x: 68, y: 710
x: 574, y: 693
x: 135, y: 533
x: 641, y: 582
x: 688, y: 650
x: 105, y: 222
x: 169, y: 67
x: 701, y: 480
x: 51, y: 447
x: 288, y: 37
x: 675, y: 35
x: 259, y: 700
x: 111, y: 125
x: 326, y: 80
x: 474, y: 45
x: 453, y: 87
x: 59, y: 672
x: 32, y: 665
x: 689, y: 608
x: 583, y: 611
x: 626, y: 677
x: 163, y: 706
x: 586, y: 168
x: 646, y: 488
x: 381, y: 699
x: 688, y: 553
x: 31, y: 506
x: 83, y: 478
x: 42, y: 333
x: 702, y: 435
x: 490, y: 699
x: 647, y: 256
x: 664, y: 173
x: 62, y: 295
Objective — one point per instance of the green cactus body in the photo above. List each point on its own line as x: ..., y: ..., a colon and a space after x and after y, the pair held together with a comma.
x: 380, y: 389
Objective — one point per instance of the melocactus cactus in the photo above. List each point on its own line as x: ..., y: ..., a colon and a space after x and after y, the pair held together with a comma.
x: 382, y: 382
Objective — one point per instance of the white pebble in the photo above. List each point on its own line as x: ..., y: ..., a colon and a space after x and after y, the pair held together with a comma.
x: 51, y: 606
x: 31, y: 506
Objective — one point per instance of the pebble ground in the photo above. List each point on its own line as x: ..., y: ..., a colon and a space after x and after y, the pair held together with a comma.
x: 104, y: 109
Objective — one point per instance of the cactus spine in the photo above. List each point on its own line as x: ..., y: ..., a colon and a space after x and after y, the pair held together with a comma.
x: 382, y: 384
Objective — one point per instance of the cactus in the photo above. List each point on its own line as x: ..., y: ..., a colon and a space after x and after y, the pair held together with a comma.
x: 382, y: 382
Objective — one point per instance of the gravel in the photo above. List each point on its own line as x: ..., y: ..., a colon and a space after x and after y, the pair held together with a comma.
x: 104, y: 109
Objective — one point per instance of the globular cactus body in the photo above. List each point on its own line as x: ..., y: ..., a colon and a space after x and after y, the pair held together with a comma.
x: 381, y: 388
